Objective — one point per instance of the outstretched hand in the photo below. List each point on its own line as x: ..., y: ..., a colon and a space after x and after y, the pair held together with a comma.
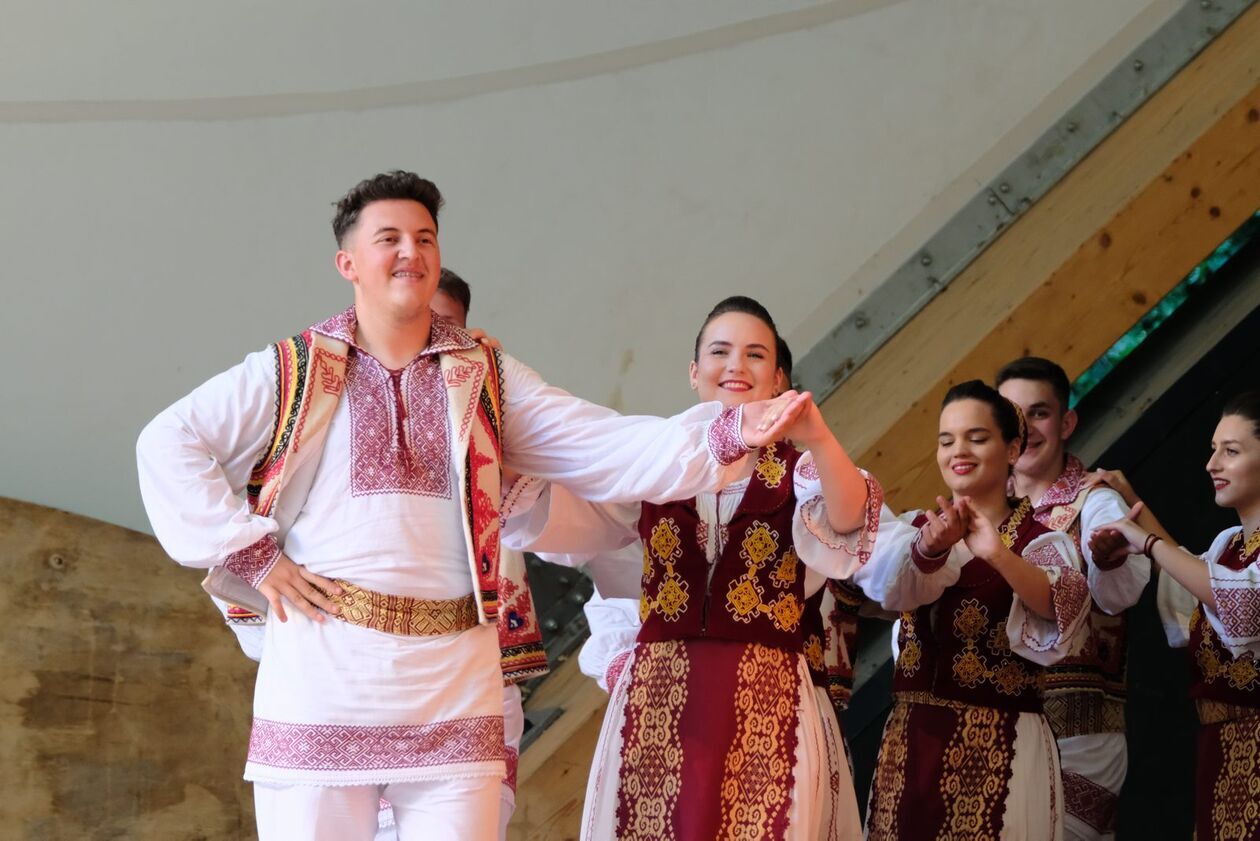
x: 1110, y: 543
x: 767, y: 421
x: 1114, y: 479
x: 943, y: 530
x: 297, y: 585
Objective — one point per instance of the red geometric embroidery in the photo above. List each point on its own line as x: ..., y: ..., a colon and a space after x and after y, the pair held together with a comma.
x: 413, y: 459
x: 726, y: 444
x: 512, y: 757
x: 252, y: 563
x: 345, y: 747
x: 1089, y: 802
x: 1239, y: 610
x: 1069, y: 593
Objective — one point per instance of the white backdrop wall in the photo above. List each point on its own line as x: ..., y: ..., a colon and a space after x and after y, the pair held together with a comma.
x: 598, y: 212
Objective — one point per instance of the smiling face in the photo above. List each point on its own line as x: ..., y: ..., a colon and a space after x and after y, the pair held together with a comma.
x: 1050, y: 424
x: 392, y: 258
x: 1235, y: 464
x: 973, y: 458
x: 736, y: 362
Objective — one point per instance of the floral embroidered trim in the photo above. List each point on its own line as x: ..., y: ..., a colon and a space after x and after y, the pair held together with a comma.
x: 348, y: 747
x: 444, y: 334
x: 860, y: 542
x: 1066, y: 488
x: 1069, y: 593
x: 726, y: 443
x: 255, y: 561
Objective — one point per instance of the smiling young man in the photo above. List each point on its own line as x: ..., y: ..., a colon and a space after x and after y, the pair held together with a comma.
x: 1085, y: 693
x: 371, y: 449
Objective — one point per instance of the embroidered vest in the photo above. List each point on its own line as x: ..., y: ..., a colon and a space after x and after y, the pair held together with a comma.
x: 756, y: 590
x: 957, y: 649
x: 310, y: 379
x: 1217, y: 674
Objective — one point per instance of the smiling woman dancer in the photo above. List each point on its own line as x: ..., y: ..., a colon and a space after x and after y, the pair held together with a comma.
x: 1223, y: 588
x: 714, y: 729
x: 988, y: 596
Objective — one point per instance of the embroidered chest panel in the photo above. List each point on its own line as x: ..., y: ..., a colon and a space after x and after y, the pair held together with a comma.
x: 1220, y: 675
x: 399, y: 429
x: 958, y: 647
x: 757, y: 583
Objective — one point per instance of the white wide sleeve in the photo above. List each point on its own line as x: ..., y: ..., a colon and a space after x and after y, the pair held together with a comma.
x: 614, y: 631
x: 819, y: 546
x: 194, y: 461
x: 898, y: 575
x: 551, y: 520
x: 1119, y: 588
x: 1237, y: 592
x: 1047, y: 641
x: 604, y: 456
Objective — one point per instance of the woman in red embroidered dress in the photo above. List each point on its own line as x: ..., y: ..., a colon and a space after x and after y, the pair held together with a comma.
x: 714, y: 728
x: 987, y: 597
x: 1212, y: 603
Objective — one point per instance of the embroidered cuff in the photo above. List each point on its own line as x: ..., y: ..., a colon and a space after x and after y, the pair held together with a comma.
x: 252, y: 563
x: 1069, y: 595
x: 927, y: 564
x: 726, y: 443
x: 861, y: 541
x: 615, y: 668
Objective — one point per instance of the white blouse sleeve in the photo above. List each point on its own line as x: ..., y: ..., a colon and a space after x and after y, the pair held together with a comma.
x: 898, y: 575
x: 604, y: 456
x: 614, y: 632
x: 549, y: 519
x: 1047, y: 641
x: 195, y: 459
x: 820, y: 547
x: 1176, y: 606
x: 1236, y: 618
x: 1117, y: 589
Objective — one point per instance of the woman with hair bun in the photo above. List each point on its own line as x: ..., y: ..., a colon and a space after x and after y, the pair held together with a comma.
x: 714, y: 728
x: 987, y: 596
x: 1216, y: 598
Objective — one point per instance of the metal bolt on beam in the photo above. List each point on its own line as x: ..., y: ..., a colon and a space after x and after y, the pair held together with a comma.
x: 1138, y: 65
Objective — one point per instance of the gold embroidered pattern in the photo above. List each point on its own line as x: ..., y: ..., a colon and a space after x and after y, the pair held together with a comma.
x: 911, y: 649
x: 665, y: 546
x: 814, y: 653
x: 1009, y: 530
x: 403, y: 615
x: 1236, y: 793
x: 890, y: 777
x: 975, y: 760
x: 652, y: 754
x: 757, y: 776
x: 1251, y: 546
x: 745, y: 596
x: 971, y: 667
x: 1240, y: 672
x: 770, y: 468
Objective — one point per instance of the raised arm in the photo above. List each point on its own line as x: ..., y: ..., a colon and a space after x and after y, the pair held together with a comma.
x: 1115, y: 583
x: 604, y: 456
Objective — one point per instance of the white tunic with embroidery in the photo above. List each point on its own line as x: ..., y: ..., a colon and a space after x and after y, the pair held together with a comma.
x: 337, y: 704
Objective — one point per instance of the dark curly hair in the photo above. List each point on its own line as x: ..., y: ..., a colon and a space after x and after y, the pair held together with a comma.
x: 398, y: 184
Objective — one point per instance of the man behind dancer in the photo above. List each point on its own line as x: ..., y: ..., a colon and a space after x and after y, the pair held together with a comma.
x: 371, y: 447
x: 1084, y: 694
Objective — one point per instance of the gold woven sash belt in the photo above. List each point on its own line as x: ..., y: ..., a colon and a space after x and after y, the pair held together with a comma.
x: 404, y: 615
x: 1215, y: 712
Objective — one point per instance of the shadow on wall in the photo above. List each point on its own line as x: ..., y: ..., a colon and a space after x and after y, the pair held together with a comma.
x: 126, y: 703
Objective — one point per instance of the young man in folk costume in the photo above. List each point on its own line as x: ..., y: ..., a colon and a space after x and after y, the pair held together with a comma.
x: 1084, y: 693
x: 372, y: 445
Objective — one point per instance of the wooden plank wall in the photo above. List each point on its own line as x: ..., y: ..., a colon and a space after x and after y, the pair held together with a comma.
x: 1065, y: 281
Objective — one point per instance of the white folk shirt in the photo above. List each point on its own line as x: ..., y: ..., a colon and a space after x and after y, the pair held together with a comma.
x: 337, y: 704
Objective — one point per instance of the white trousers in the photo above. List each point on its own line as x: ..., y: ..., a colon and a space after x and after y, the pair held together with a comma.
x: 461, y: 809
x: 1100, y: 761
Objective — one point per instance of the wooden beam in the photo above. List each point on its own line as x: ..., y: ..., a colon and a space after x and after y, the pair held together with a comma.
x: 866, y: 410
